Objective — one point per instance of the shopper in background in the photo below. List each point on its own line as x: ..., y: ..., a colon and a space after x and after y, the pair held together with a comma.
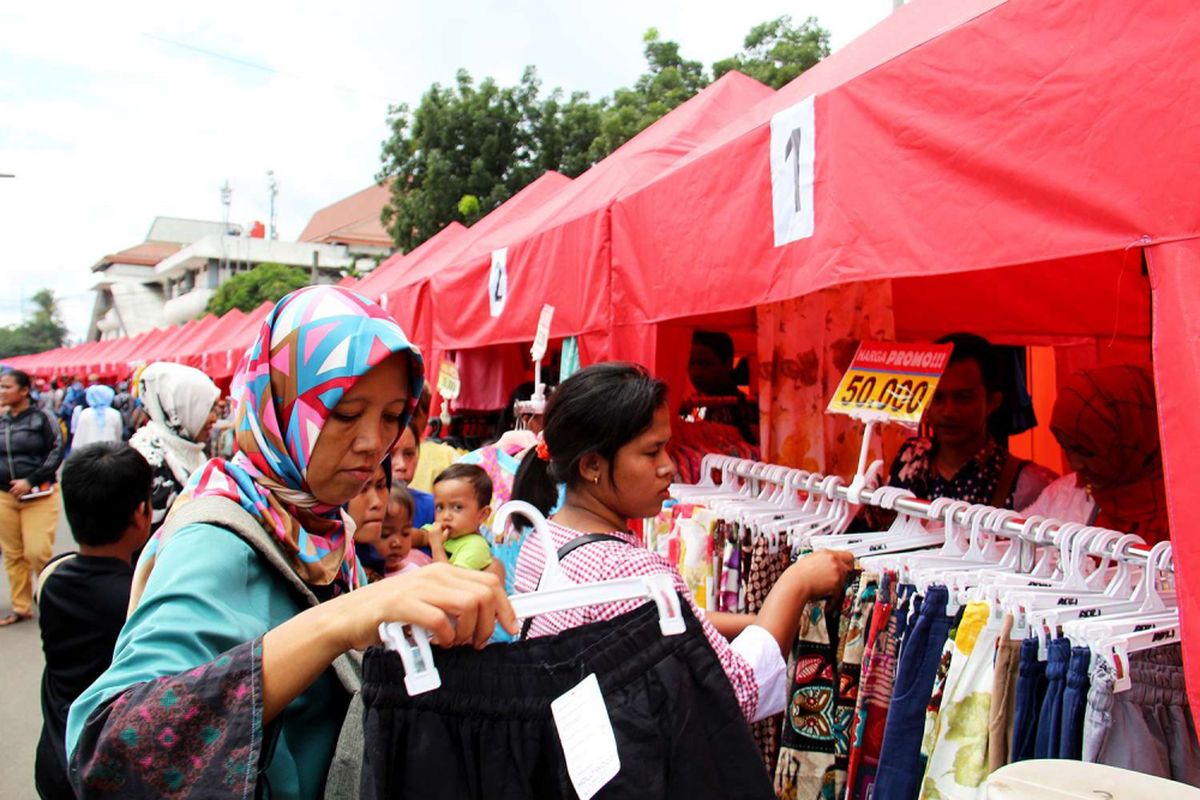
x: 32, y: 449
x: 82, y: 597
x: 710, y: 369
x: 367, y: 509
x: 962, y: 460
x: 406, y: 455
x: 1106, y: 420
x: 99, y: 422
x: 181, y: 405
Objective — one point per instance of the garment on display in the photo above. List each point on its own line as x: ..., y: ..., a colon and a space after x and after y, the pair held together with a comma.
x: 967, y: 638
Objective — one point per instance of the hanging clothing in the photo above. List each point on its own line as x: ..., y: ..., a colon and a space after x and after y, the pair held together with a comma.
x: 178, y: 400
x: 1112, y: 412
x: 900, y: 772
x: 1004, y: 695
x: 488, y: 731
x: 184, y: 693
x: 752, y: 662
x: 958, y: 762
x: 1148, y: 728
x: 1031, y: 691
x: 875, y: 692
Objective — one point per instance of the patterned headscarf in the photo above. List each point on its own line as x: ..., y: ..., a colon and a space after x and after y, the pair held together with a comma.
x: 1113, y: 412
x: 316, y: 344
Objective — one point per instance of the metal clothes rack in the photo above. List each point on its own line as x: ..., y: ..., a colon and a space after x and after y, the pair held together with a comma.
x: 1015, y: 527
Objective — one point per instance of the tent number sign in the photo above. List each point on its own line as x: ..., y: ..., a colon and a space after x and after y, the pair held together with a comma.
x: 887, y: 382
x: 498, y: 282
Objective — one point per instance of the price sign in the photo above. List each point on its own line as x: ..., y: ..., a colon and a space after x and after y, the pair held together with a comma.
x: 542, y: 339
x: 890, y: 379
x: 448, y: 383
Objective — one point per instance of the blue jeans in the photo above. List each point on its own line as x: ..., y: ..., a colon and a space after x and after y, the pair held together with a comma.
x: 1049, y: 727
x: 1031, y: 688
x: 900, y: 773
x: 1074, y: 703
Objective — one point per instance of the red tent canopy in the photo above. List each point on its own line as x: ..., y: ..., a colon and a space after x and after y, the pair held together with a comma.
x: 406, y: 297
x: 1024, y: 169
x: 374, y: 283
x: 560, y: 253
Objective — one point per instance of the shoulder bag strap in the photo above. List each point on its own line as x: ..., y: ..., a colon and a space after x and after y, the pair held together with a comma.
x: 49, y: 570
x: 569, y: 547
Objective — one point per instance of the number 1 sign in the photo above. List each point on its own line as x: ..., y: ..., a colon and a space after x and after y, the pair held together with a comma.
x: 892, y: 380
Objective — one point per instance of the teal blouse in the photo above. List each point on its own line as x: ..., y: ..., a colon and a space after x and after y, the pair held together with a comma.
x: 181, y: 705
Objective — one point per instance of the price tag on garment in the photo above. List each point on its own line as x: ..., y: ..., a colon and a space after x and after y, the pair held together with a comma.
x: 448, y: 383
x: 893, y: 379
x: 542, y: 339
x: 587, y: 738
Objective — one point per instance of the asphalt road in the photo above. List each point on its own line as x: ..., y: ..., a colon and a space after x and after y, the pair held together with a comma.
x: 20, y: 691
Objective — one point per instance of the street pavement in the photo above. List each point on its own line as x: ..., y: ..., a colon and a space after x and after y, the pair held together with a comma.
x: 20, y: 691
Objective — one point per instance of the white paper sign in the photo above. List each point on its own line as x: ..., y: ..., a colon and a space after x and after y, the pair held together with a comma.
x: 498, y: 282
x: 793, y: 162
x: 587, y: 739
x: 542, y: 339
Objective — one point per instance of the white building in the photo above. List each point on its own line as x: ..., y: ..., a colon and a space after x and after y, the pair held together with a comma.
x: 169, y: 278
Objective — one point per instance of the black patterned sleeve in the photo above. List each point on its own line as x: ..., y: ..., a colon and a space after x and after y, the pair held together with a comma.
x: 196, y: 734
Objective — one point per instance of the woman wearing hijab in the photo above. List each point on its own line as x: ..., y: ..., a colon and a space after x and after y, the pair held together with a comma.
x: 181, y: 404
x: 99, y: 422
x: 232, y: 676
x: 1106, y: 420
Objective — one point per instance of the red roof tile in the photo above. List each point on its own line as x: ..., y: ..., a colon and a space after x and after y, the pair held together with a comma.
x: 145, y: 254
x: 354, y: 220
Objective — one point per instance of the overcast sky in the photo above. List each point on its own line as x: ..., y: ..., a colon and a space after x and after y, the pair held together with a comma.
x: 114, y: 113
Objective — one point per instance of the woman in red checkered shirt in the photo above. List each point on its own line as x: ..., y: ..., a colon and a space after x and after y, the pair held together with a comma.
x: 605, y: 437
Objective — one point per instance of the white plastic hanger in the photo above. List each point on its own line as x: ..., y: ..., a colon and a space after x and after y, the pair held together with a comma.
x: 555, y: 593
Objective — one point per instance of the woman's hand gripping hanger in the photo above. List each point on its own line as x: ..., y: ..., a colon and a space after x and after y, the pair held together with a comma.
x: 555, y: 592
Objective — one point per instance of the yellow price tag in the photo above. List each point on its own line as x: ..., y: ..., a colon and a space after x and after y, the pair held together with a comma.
x: 891, y: 379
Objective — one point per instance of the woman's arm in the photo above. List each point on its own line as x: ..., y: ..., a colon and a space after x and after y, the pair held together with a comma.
x: 298, y: 651
x: 730, y: 625
x: 54, y: 455
x: 817, y: 575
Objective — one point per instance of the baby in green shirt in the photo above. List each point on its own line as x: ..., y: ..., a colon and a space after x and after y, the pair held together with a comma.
x: 462, y: 497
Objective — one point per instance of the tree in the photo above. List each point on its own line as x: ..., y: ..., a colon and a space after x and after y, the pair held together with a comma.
x: 43, y: 331
x: 776, y: 52
x: 467, y: 148
x: 669, y: 81
x: 248, y: 290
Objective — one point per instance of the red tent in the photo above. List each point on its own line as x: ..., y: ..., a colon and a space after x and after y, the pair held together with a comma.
x: 406, y: 294
x: 1023, y: 169
x: 560, y: 253
x: 373, y: 284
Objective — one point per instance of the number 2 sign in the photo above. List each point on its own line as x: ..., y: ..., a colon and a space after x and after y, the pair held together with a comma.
x: 895, y: 380
x: 498, y: 282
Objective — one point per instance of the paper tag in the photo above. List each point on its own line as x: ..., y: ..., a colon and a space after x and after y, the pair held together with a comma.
x: 542, y: 339
x: 498, y: 282
x: 587, y: 739
x: 448, y: 383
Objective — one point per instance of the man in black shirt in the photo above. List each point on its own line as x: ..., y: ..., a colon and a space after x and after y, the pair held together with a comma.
x: 82, y: 597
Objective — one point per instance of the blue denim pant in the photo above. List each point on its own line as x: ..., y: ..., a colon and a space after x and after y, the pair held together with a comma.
x: 1031, y: 688
x: 1074, y: 704
x: 900, y: 773
x: 1049, y: 727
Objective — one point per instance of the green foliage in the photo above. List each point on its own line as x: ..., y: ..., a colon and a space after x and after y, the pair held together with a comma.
x: 467, y: 148
x: 669, y: 81
x: 776, y: 52
x: 248, y: 290
x: 43, y: 331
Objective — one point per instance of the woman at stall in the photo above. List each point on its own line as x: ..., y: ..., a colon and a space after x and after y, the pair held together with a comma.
x: 99, y: 422
x: 30, y: 451
x: 1106, y: 420
x: 181, y: 405
x: 229, y: 678
x: 605, y: 437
